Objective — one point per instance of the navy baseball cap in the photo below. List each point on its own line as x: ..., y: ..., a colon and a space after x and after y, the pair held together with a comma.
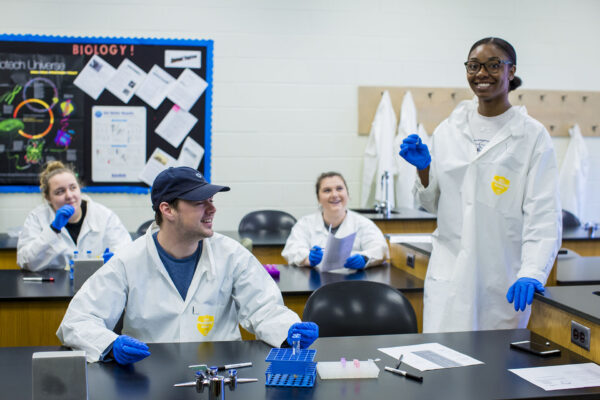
x: 182, y: 183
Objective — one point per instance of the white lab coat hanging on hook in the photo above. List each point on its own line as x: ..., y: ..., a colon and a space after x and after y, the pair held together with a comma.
x: 573, y: 174
x: 405, y: 172
x: 380, y: 155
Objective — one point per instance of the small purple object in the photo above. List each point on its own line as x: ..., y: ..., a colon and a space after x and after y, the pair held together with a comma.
x: 272, y: 270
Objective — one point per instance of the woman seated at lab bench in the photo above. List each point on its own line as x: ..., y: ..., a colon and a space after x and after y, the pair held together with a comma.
x: 67, y: 222
x: 305, y: 245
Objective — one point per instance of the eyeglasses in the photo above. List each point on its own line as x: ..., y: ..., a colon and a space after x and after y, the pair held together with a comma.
x: 491, y: 66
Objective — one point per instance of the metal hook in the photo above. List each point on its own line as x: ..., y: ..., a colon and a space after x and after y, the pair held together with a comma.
x: 520, y: 97
x: 563, y: 97
x: 594, y: 127
x: 430, y: 94
x: 551, y: 128
x: 453, y: 95
x: 542, y: 97
x: 584, y: 98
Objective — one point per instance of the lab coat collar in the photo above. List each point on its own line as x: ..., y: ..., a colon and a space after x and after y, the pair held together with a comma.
x: 205, y: 264
x: 459, y: 118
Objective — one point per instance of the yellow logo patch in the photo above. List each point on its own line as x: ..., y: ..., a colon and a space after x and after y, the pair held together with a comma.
x: 500, y: 184
x: 205, y: 324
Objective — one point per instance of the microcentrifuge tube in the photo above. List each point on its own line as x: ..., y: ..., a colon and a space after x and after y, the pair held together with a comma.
x: 296, y: 343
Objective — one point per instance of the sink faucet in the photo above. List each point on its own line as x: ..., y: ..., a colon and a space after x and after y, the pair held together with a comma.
x: 385, y: 207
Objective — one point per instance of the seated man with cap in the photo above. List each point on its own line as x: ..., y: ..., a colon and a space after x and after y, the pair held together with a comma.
x: 180, y: 282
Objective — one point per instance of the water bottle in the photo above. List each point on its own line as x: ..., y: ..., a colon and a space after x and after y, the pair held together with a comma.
x: 72, y: 263
x: 88, y: 255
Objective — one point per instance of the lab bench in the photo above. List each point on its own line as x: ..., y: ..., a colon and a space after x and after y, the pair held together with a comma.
x: 553, y: 311
x: 30, y: 312
x: 153, y: 377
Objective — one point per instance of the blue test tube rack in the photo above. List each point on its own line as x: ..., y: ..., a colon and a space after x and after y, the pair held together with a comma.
x: 288, y: 369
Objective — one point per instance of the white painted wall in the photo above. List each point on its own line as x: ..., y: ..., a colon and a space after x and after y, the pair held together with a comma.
x: 287, y: 72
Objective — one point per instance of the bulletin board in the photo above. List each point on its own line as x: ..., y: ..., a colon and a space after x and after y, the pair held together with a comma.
x: 117, y: 109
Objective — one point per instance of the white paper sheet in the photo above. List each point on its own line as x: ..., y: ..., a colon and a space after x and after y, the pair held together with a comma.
x: 336, y: 252
x: 428, y: 356
x: 183, y: 59
x: 560, y: 377
x: 176, y: 125
x: 94, y: 76
x: 158, y: 162
x: 155, y: 87
x: 191, y: 154
x: 118, y: 143
x: 187, y: 89
x: 126, y: 80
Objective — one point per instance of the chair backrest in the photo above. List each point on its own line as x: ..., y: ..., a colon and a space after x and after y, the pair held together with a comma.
x: 569, y: 220
x: 144, y: 227
x: 358, y: 308
x: 266, y: 221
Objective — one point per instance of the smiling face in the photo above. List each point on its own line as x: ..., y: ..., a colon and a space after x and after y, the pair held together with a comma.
x: 64, y: 189
x: 488, y: 86
x: 194, y: 218
x: 333, y: 195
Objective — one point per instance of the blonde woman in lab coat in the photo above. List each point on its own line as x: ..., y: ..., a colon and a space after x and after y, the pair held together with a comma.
x: 304, y: 246
x: 492, y: 180
x: 66, y: 222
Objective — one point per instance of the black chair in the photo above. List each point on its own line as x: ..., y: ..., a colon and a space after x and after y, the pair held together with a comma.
x: 359, y: 308
x: 141, y: 231
x: 266, y: 222
x: 569, y: 220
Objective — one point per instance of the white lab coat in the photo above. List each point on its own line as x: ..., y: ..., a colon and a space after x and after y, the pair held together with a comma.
x: 380, y: 155
x: 229, y: 287
x: 39, y: 247
x: 486, y: 237
x: 406, y: 173
x: 574, y: 173
x: 310, y: 231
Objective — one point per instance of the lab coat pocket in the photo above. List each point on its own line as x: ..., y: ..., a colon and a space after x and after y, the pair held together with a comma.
x: 499, y: 187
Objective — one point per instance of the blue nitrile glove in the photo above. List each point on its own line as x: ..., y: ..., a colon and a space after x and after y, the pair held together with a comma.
x: 315, y: 256
x: 522, y: 292
x: 62, y: 216
x: 309, y: 332
x: 415, y: 151
x: 355, y: 262
x: 107, y: 255
x: 128, y: 350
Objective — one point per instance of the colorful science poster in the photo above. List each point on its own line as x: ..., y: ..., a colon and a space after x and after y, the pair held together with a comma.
x: 97, y: 104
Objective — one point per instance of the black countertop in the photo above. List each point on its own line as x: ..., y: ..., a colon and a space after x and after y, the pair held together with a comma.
x: 304, y: 280
x: 580, y: 233
x: 13, y: 287
x: 398, y: 214
x: 292, y: 281
x: 577, y: 300
x: 153, y: 377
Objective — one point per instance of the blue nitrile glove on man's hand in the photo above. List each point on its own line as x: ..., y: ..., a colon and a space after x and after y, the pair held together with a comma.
x: 107, y: 255
x: 522, y: 292
x: 128, y: 350
x: 315, y: 256
x: 62, y: 216
x: 355, y: 262
x: 309, y: 332
x: 415, y: 151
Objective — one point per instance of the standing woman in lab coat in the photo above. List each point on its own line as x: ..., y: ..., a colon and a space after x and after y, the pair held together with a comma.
x: 304, y: 246
x: 66, y: 222
x: 492, y: 180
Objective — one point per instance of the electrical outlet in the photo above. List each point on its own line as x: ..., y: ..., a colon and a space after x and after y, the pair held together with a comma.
x: 410, y: 260
x: 580, y: 335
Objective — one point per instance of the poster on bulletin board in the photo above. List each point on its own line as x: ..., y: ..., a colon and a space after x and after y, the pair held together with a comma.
x: 119, y: 110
